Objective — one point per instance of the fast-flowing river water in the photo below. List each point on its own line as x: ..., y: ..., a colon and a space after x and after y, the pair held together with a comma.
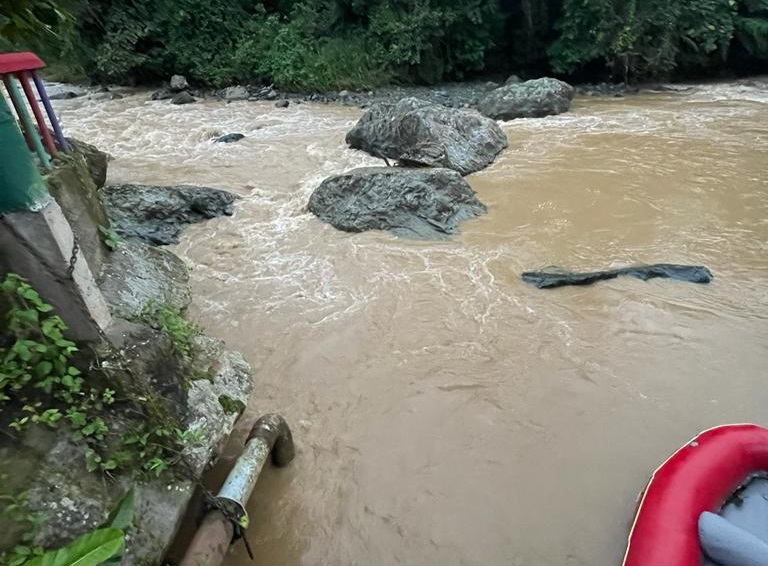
x: 445, y: 412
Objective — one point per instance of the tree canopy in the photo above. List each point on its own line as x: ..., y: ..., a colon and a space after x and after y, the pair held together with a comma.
x: 30, y: 21
x: 319, y: 44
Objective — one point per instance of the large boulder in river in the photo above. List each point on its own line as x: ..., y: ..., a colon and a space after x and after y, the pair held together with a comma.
x: 158, y: 214
x: 531, y: 99
x: 415, y: 203
x: 420, y: 133
x: 179, y: 83
x: 237, y: 92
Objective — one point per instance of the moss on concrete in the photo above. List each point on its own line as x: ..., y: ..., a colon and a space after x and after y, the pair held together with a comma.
x: 72, y: 185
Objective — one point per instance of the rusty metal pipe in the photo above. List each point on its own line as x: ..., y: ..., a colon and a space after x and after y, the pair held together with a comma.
x: 270, y: 435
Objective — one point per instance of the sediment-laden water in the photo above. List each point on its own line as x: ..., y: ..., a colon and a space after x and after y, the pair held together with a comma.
x: 446, y: 412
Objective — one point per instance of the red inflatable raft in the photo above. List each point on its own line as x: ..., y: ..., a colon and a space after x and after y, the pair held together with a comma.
x: 699, y: 477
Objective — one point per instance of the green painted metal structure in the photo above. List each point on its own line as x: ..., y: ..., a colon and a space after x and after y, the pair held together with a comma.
x: 21, y: 185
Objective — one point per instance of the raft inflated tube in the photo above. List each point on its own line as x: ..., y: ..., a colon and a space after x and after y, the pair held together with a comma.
x: 699, y: 477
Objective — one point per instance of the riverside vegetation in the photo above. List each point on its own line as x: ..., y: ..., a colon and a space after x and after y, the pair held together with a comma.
x: 40, y: 383
x: 325, y: 44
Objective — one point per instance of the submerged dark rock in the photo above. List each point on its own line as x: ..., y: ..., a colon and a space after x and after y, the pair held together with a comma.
x: 420, y: 133
x: 229, y: 138
x: 556, y: 277
x: 163, y: 94
x: 414, y: 203
x: 158, y: 214
x: 63, y: 95
x: 183, y: 98
x: 530, y: 99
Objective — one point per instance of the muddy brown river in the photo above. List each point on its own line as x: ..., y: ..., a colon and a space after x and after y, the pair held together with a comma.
x: 445, y: 412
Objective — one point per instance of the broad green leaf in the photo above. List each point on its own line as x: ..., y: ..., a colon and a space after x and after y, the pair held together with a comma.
x: 122, y: 515
x: 91, y: 549
x: 43, y: 368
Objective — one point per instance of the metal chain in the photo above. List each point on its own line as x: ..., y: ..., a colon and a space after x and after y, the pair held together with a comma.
x: 210, y: 501
x: 73, y: 257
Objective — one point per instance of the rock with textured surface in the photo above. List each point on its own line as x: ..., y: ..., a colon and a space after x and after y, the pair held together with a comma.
x: 420, y: 133
x: 183, y: 98
x: 531, y: 99
x: 231, y: 381
x: 414, y: 203
x: 137, y: 275
x: 157, y: 214
x: 96, y: 160
x: 229, y: 138
x: 179, y: 82
x: 235, y: 93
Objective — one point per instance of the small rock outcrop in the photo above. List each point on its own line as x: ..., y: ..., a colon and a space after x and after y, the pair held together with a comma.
x: 63, y: 95
x: 420, y: 133
x: 96, y: 160
x: 413, y: 203
x: 530, y: 99
x: 229, y: 138
x: 183, y: 98
x: 282, y: 104
x: 158, y: 214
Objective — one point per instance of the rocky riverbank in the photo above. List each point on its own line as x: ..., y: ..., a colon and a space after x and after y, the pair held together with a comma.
x: 174, y: 393
x: 454, y: 95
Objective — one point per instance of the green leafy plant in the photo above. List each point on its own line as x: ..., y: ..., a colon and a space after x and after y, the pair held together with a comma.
x: 170, y: 320
x: 16, y: 509
x: 103, y: 546
x: 120, y: 518
x: 35, y: 364
x: 109, y: 237
x: 231, y: 406
x: 38, y: 382
x: 158, y: 448
x: 40, y: 385
x: 91, y: 549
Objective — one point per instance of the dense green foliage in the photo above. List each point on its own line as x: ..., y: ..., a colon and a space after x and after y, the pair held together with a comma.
x: 41, y: 385
x: 650, y: 38
x: 25, y: 20
x: 103, y: 546
x: 318, y: 44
